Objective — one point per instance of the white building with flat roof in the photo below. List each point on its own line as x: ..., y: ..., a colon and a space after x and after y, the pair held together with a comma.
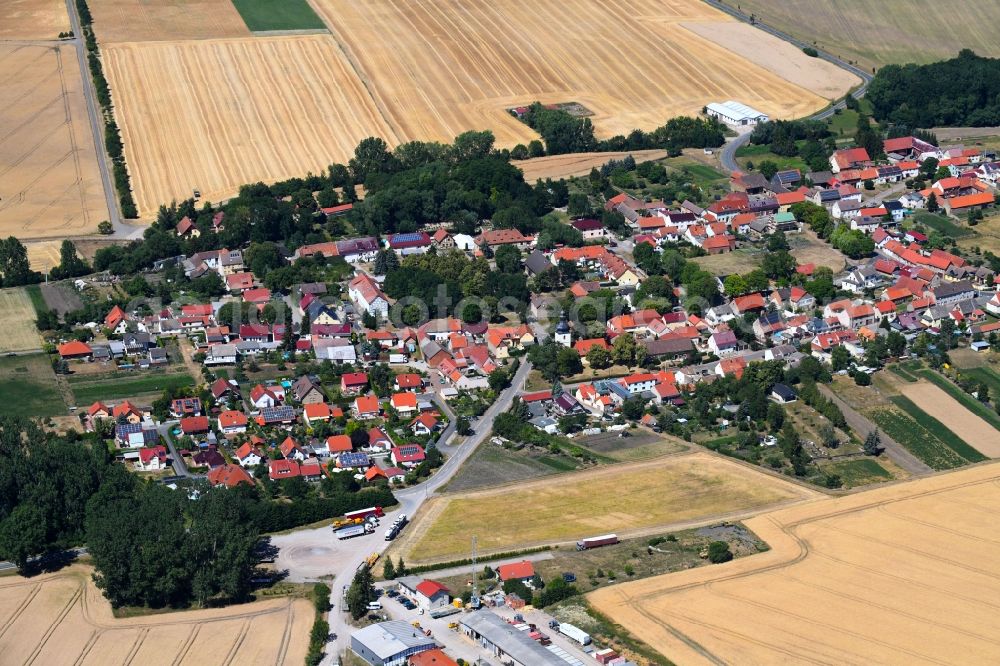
x: 736, y: 114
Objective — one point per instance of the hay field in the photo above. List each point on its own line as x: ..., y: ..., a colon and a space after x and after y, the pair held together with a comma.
x: 903, y: 574
x: 255, y: 109
x: 975, y: 431
x: 878, y: 32
x: 628, y: 499
x: 62, y: 618
x: 33, y: 19
x: 577, y: 164
x: 157, y: 20
x: 49, y: 183
x: 18, y: 320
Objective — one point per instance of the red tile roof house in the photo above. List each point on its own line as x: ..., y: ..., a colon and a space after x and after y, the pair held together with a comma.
x: 366, y: 407
x: 523, y: 571
x: 194, y: 425
x: 353, y: 383
x: 98, y: 410
x: 261, y: 397
x: 408, y: 382
x: 311, y: 470
x: 282, y: 469
x: 378, y: 439
x: 407, y: 455
x: 152, y: 458
x: 404, y: 403
x: 432, y: 594
x: 229, y: 476
x: 425, y: 424
x: 232, y: 422
x: 339, y: 444
x: 317, y: 411
x: 290, y: 450
x: 74, y: 349
x: 240, y: 282
x: 248, y: 455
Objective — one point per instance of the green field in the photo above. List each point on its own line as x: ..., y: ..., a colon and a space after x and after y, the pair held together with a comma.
x: 938, y: 429
x: 262, y: 15
x: 28, y: 387
x: 970, y: 403
x: 942, y: 224
x: 901, y: 372
x: 988, y: 376
x: 37, y: 300
x: 916, y: 439
x: 88, y: 389
x: 858, y: 472
x: 760, y: 153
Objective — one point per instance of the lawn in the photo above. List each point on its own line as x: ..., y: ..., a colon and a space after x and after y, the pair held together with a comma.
x: 942, y: 224
x: 37, y: 300
x: 262, y: 15
x: 916, y: 439
x: 625, y: 498
x: 28, y: 387
x: 88, y: 389
x: 970, y: 403
x: 938, y: 429
x: 760, y: 153
x: 858, y: 472
x: 641, y: 444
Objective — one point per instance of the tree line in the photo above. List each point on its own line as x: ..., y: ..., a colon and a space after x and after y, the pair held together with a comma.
x: 563, y: 132
x: 963, y: 91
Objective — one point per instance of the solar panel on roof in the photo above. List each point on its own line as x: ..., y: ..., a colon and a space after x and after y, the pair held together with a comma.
x: 406, y: 238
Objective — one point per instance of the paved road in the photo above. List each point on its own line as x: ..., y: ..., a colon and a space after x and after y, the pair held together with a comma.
x: 180, y: 468
x: 96, y: 121
x: 728, y: 156
x: 316, y: 553
x: 861, y: 425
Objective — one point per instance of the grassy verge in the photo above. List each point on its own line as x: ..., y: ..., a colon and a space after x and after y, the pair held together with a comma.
x: 916, y: 439
x: 37, y: 300
x: 901, y: 373
x: 87, y: 389
x: 858, y: 472
x: 261, y: 15
x: 970, y: 403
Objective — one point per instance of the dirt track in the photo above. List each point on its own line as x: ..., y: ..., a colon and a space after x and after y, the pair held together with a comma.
x: 903, y: 574
x: 62, y: 618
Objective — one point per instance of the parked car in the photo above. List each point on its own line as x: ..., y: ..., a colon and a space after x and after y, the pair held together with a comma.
x: 569, y: 577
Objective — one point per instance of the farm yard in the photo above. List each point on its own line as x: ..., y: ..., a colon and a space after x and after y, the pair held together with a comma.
x: 161, y: 20
x: 646, y: 496
x: 62, y: 618
x: 33, y: 19
x: 51, y: 187
x: 878, y: 32
x: 291, y: 105
x: 315, y: 96
x: 20, y: 333
x: 902, y: 572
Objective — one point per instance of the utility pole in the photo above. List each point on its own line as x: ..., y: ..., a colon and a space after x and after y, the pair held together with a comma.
x: 474, y: 602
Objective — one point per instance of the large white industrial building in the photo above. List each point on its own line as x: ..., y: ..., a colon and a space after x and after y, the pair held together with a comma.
x: 735, y: 114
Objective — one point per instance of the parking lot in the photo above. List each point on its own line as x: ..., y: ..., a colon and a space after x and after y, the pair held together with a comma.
x: 457, y: 644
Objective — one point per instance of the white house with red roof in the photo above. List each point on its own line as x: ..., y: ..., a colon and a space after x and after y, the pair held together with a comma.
x: 353, y: 383
x: 523, y: 571
x: 431, y: 594
x: 232, y: 422
x: 249, y: 455
x: 152, y: 458
x: 263, y: 397
x: 366, y: 293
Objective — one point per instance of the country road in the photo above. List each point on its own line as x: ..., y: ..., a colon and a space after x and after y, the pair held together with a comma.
x: 728, y: 155
x: 862, y: 426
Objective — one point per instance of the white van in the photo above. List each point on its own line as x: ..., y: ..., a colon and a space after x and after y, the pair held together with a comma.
x: 374, y: 605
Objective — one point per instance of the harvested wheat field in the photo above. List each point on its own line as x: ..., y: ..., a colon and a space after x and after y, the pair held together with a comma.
x: 628, y: 499
x: 33, y: 19
x: 49, y: 183
x: 577, y: 164
x: 878, y: 32
x: 902, y: 574
x: 159, y: 20
x: 62, y: 618
x: 18, y: 320
x: 215, y: 114
x: 972, y: 429
x: 459, y: 64
x: 777, y: 56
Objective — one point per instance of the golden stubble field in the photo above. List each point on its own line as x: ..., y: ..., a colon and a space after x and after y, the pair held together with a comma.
x: 214, y: 114
x: 902, y: 574
x: 18, y: 316
x: 158, y: 20
x: 62, y: 618
x: 33, y: 19
x: 628, y: 499
x: 50, y: 186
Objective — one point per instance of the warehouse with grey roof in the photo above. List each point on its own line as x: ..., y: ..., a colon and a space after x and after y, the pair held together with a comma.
x: 389, y: 643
